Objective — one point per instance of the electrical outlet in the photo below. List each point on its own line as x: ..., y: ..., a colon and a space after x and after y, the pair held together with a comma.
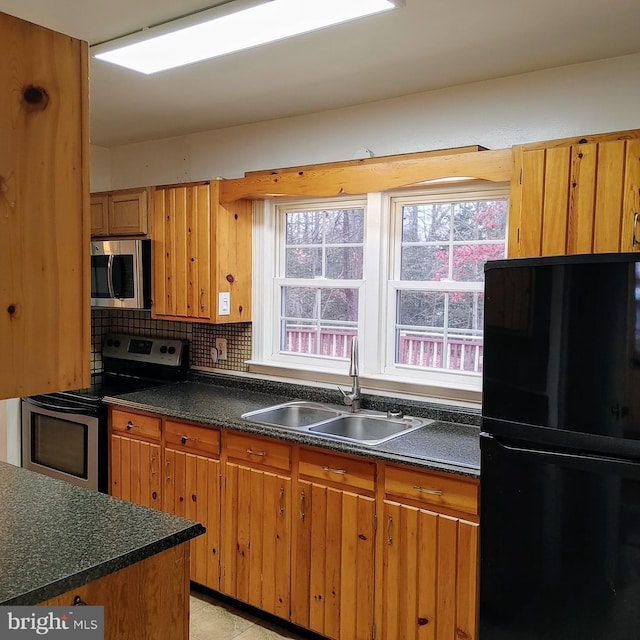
x: 221, y: 346
x: 224, y: 303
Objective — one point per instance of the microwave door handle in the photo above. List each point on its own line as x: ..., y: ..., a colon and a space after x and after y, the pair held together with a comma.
x: 112, y: 294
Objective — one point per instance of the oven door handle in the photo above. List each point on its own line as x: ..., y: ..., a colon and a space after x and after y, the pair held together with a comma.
x: 51, y: 406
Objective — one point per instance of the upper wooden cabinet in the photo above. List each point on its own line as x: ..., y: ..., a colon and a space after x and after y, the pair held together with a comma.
x: 120, y: 213
x: 201, y: 249
x: 576, y: 196
x: 44, y: 202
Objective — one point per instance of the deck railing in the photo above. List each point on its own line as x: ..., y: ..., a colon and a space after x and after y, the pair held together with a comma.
x: 420, y: 350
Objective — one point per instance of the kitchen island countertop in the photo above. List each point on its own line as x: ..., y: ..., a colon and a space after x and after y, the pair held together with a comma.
x: 440, y: 446
x: 55, y: 536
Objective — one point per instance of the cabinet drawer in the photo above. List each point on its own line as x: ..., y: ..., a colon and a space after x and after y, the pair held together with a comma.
x: 135, y: 424
x: 258, y: 451
x: 432, y: 489
x: 189, y: 436
x: 327, y: 467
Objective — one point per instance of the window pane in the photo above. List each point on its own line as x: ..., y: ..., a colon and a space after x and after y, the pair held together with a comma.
x: 426, y: 222
x: 303, y: 263
x: 299, y: 302
x: 424, y: 263
x: 344, y: 263
x: 344, y: 225
x: 440, y: 330
x: 421, y: 308
x: 481, y: 220
x: 468, y: 260
x: 339, y: 305
x: 304, y: 227
x: 318, y: 321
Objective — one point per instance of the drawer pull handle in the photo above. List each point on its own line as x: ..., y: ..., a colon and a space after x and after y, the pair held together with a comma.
x: 130, y: 425
x: 79, y: 602
x: 185, y: 439
x: 251, y: 452
x: 330, y: 470
x: 634, y: 240
x: 302, y: 506
x: 389, y: 523
x: 431, y: 492
x: 281, y: 509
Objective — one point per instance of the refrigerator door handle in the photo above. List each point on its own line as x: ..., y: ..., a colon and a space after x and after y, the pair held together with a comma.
x: 576, y: 457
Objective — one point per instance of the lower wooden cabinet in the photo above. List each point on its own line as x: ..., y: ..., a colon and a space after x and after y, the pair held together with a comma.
x: 148, y: 599
x: 332, y: 586
x: 345, y: 546
x: 256, y: 525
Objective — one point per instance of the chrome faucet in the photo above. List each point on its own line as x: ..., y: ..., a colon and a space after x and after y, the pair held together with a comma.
x: 353, y: 399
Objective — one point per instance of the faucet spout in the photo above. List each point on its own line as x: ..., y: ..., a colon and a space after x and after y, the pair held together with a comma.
x: 353, y: 399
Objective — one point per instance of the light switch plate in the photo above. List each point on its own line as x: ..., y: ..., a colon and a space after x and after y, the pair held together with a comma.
x: 224, y: 303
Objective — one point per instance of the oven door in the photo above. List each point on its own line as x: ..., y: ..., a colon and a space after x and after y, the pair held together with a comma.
x: 60, y: 442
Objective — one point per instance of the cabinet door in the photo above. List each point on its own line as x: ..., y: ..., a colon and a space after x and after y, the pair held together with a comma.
x: 332, y: 576
x: 256, y: 535
x: 45, y: 331
x: 429, y: 574
x: 99, y: 215
x: 580, y: 198
x: 182, y: 252
x: 192, y: 490
x: 135, y: 471
x: 128, y: 213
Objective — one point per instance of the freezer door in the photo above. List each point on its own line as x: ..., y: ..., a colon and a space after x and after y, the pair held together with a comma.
x: 560, y: 545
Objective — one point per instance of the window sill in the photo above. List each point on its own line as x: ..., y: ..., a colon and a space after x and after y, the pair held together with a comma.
x: 394, y: 387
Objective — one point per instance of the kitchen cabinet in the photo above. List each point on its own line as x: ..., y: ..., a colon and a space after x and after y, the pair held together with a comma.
x: 148, y: 599
x: 201, y: 249
x: 429, y: 558
x: 135, y: 458
x: 192, y: 490
x: 44, y: 199
x: 343, y: 545
x: 332, y: 587
x: 120, y: 213
x: 256, y: 523
x: 577, y: 195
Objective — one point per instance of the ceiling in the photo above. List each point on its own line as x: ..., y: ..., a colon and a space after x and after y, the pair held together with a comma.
x: 423, y: 45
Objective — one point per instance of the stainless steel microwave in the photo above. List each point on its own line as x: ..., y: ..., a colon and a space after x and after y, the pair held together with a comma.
x: 121, y: 274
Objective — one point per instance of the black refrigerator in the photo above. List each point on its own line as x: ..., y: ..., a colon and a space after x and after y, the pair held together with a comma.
x: 560, y: 449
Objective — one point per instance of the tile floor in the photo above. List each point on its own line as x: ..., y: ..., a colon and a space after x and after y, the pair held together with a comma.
x: 212, y: 619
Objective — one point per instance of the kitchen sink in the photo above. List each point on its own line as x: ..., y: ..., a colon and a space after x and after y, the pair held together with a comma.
x: 292, y: 414
x: 365, y: 427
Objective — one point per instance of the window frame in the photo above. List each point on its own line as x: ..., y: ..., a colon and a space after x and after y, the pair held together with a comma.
x: 381, y: 256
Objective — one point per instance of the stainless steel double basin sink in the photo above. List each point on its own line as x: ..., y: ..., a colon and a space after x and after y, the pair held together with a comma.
x: 364, y: 427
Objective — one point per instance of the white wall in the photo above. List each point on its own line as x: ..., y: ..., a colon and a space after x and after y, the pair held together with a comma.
x: 574, y: 100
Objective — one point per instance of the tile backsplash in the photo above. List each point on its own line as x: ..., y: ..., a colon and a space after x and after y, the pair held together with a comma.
x: 201, y: 336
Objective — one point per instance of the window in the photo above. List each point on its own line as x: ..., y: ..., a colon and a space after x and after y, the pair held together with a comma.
x: 402, y: 272
x: 438, y: 279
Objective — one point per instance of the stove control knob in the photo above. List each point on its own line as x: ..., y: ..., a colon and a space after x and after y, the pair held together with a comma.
x: 172, y: 350
x: 109, y: 342
x: 163, y: 349
x: 116, y: 343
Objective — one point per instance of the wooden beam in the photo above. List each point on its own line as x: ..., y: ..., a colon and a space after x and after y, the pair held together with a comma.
x: 494, y: 166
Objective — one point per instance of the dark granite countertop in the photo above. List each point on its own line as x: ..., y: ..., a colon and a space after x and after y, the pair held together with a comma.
x: 55, y: 536
x: 442, y: 445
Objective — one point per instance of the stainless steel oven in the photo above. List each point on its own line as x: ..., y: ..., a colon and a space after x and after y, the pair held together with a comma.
x: 121, y: 274
x: 65, y: 434
x: 65, y: 439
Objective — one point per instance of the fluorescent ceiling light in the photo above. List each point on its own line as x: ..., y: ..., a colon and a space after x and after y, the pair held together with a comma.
x: 182, y: 42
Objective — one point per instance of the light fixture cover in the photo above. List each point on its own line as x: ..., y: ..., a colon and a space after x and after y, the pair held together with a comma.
x: 213, y: 33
